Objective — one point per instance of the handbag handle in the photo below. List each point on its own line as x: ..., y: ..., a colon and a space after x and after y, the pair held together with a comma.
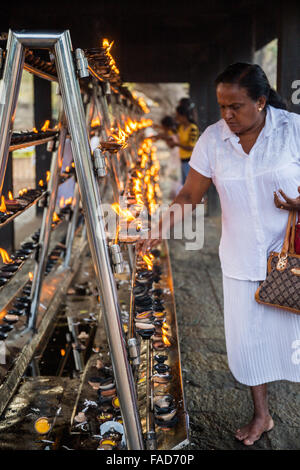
x: 289, y: 243
x: 292, y: 238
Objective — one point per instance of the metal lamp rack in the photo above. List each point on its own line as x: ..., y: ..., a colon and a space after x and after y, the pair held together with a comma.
x: 67, y: 74
x: 109, y: 104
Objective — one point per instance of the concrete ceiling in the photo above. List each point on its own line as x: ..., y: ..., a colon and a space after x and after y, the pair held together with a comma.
x: 155, y: 40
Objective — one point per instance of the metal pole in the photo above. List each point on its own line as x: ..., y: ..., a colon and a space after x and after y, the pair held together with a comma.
x: 78, y: 359
x: 113, y: 163
x: 72, y: 226
x: 105, y: 110
x: 92, y: 206
x: 46, y: 228
x: 131, y: 256
x: 9, y: 91
x: 104, y: 135
x: 90, y: 114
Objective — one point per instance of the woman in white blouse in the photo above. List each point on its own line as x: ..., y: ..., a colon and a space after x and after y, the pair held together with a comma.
x: 249, y: 154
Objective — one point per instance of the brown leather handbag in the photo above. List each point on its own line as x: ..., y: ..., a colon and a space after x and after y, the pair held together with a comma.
x: 281, y: 288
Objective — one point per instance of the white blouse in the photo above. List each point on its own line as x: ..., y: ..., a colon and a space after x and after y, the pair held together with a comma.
x: 252, y: 226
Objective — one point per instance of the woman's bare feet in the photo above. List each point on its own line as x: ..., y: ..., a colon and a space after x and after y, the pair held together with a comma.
x: 253, y: 431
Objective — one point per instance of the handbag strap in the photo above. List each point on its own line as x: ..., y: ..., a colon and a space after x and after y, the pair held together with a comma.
x: 286, y: 243
x: 292, y: 237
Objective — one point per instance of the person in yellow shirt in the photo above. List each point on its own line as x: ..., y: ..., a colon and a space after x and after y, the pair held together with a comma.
x: 187, y: 136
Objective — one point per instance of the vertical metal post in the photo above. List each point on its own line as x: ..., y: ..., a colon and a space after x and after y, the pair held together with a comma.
x: 113, y: 162
x: 72, y: 226
x: 34, y: 366
x: 131, y: 256
x: 105, y: 111
x: 78, y: 359
x: 104, y: 135
x: 90, y: 113
x: 9, y: 91
x: 46, y: 227
x: 92, y: 206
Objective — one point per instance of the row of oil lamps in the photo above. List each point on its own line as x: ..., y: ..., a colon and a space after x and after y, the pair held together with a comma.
x: 105, y: 410
x: 22, y: 137
x: 150, y: 324
x: 149, y: 310
x: 14, y: 262
x: 10, y: 206
x: 141, y: 195
x: 21, y: 305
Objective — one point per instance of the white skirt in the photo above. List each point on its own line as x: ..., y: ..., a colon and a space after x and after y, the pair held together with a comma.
x: 263, y: 343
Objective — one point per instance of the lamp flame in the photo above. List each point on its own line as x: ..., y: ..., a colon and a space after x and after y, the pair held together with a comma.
x: 10, y: 196
x: 165, y: 332
x: 55, y: 217
x: 5, y: 256
x: 3, y: 206
x: 121, y: 138
x: 22, y: 191
x: 122, y: 212
x: 117, y: 234
x: 45, y: 126
x: 95, y: 122
x: 30, y: 275
x: 166, y: 341
x: 112, y: 63
x: 148, y: 261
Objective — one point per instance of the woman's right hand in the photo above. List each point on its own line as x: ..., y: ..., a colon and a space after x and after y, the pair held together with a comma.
x: 145, y: 245
x: 289, y: 203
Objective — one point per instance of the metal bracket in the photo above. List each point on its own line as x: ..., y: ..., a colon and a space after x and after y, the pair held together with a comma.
x: 117, y: 258
x: 133, y: 351
x: 106, y: 88
x: 81, y: 64
x: 51, y: 146
x: 100, y: 163
x: 44, y: 202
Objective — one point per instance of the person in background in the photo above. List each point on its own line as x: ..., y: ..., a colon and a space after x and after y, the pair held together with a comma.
x: 187, y: 136
x: 167, y: 128
x: 190, y: 106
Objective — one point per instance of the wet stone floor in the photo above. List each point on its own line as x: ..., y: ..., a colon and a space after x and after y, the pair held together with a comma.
x: 217, y: 404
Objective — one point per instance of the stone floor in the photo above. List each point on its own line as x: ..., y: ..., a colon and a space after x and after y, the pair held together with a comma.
x: 217, y: 404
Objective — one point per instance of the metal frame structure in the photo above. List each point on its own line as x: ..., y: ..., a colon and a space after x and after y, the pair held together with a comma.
x: 45, y: 232
x: 60, y: 44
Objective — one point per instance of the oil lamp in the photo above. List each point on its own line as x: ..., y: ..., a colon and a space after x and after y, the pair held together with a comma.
x: 3, y: 336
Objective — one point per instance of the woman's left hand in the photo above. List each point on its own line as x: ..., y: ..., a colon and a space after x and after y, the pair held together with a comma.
x: 289, y: 203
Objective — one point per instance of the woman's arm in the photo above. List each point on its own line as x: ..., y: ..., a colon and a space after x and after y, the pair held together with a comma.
x: 190, y: 195
x: 184, y: 147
